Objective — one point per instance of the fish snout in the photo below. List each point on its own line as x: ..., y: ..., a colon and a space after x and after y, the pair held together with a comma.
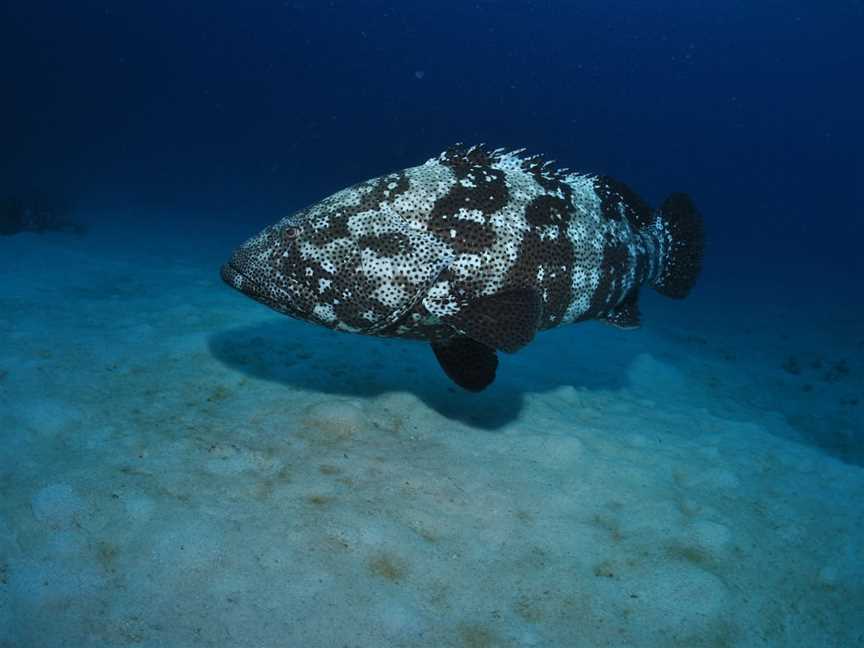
x: 239, y: 273
x: 231, y: 276
x: 242, y: 274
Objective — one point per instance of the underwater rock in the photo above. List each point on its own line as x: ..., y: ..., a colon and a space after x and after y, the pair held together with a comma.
x: 11, y: 217
x: 333, y: 421
x: 40, y: 214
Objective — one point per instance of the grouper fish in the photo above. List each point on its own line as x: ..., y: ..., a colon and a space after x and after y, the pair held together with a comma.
x: 475, y: 251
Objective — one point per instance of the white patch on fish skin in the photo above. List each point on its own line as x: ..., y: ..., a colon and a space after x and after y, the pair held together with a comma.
x: 474, y: 215
x: 548, y: 232
x: 662, y: 238
x: 580, y: 283
x: 327, y: 266
x: 342, y: 326
x: 439, y: 302
x: 585, y: 199
x: 374, y: 266
x: 390, y: 295
x: 324, y: 312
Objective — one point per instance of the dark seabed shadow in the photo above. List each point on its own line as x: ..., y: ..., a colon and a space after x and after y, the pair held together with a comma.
x: 312, y: 358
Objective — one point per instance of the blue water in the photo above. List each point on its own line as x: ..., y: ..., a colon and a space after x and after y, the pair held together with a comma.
x: 753, y: 108
x: 173, y: 131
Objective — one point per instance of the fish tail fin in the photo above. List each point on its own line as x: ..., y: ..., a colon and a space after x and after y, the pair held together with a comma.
x: 682, y: 231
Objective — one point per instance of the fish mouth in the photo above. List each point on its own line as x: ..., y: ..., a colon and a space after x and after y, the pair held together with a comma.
x: 234, y: 277
x: 231, y: 275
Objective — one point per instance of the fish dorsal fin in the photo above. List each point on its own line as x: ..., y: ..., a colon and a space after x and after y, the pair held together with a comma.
x: 626, y: 314
x: 466, y: 362
x: 505, y: 320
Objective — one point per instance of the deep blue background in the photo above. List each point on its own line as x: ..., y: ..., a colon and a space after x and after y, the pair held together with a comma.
x: 232, y: 110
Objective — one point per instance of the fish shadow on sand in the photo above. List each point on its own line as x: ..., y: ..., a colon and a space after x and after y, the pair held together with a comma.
x: 308, y: 358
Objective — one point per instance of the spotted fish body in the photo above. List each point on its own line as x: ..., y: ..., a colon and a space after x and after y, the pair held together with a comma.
x: 474, y: 251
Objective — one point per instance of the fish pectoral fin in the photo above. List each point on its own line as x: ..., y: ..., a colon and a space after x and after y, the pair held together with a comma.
x: 626, y: 314
x: 505, y: 321
x: 466, y: 362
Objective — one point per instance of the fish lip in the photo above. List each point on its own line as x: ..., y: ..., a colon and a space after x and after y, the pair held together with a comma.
x: 229, y: 273
x: 235, y: 278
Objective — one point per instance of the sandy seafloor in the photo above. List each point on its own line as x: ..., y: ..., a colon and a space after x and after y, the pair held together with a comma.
x: 180, y: 466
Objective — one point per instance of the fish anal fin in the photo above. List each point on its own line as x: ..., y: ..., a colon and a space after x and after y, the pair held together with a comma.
x: 626, y: 314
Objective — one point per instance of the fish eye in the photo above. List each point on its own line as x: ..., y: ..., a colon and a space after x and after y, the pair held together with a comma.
x: 291, y: 232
